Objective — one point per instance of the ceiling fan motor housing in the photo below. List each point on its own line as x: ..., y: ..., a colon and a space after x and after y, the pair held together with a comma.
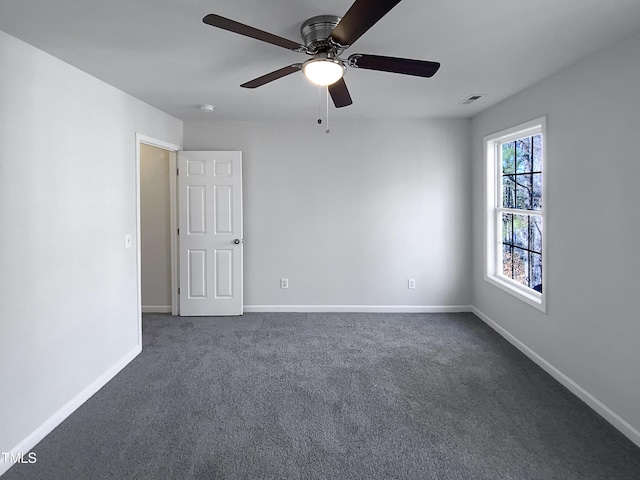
x: 316, y: 31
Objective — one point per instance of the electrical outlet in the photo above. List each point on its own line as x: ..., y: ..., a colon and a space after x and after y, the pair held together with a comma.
x: 411, y: 284
x: 128, y: 239
x: 284, y: 283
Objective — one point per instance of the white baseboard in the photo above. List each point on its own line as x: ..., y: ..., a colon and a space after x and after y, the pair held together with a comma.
x: 359, y: 308
x: 609, y: 415
x: 58, y: 417
x: 156, y: 308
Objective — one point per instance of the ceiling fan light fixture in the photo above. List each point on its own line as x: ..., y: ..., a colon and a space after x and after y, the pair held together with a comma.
x: 323, y: 71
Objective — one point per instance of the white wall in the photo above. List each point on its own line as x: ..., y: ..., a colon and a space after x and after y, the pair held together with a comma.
x: 591, y: 331
x: 155, y: 229
x: 348, y: 217
x: 68, y: 287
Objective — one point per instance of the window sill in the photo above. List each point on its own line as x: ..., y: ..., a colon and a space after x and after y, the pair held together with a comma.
x: 528, y: 296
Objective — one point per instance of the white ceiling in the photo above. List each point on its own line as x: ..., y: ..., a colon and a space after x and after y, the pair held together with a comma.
x: 160, y: 51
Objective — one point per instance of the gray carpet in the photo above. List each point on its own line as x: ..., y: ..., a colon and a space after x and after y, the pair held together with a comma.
x: 331, y: 396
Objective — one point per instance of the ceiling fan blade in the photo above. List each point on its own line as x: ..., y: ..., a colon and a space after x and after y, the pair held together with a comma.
x: 340, y: 94
x: 405, y: 66
x: 362, y: 15
x: 270, y: 77
x: 247, y: 31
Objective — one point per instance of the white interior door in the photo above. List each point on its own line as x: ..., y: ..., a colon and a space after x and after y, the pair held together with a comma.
x: 210, y: 233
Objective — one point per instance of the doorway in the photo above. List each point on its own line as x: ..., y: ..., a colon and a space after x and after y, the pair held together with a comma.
x: 155, y: 229
x: 142, y: 141
x: 223, y: 169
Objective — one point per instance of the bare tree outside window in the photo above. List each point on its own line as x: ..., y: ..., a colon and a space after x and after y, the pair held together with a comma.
x: 522, y: 193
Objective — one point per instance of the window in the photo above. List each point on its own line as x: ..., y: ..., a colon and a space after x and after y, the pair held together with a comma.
x: 516, y: 211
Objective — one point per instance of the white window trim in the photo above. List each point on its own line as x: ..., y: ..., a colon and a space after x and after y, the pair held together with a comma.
x: 492, y: 271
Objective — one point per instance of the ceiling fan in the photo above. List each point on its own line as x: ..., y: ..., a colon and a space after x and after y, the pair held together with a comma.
x: 325, y: 38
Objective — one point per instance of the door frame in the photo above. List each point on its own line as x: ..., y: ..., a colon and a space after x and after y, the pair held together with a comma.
x: 173, y: 221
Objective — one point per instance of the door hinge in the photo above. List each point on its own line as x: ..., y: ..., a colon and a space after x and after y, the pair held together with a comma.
x: 178, y: 290
x: 177, y: 172
x: 178, y: 231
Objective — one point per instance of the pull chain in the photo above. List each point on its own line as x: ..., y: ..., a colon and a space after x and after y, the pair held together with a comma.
x: 319, y: 105
x: 327, y: 107
x: 327, y: 130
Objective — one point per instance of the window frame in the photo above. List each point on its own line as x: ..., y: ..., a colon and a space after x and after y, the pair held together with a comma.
x: 494, y: 209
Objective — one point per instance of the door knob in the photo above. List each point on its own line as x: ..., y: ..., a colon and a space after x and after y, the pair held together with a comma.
x: 236, y: 241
